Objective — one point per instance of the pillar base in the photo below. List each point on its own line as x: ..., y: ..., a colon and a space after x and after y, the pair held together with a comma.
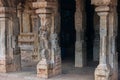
x: 10, y: 65
x: 103, y: 72
x: 46, y: 69
x: 3, y: 66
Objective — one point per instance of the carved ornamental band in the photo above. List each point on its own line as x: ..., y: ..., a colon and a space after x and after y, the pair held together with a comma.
x: 101, y: 2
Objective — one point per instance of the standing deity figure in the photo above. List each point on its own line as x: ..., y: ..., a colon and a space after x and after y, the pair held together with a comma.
x: 55, y: 49
x: 44, y: 44
x: 54, y: 42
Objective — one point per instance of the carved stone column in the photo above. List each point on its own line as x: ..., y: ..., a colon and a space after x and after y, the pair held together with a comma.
x: 80, y: 54
x: 10, y: 59
x: 50, y: 63
x: 107, y: 68
x: 103, y: 70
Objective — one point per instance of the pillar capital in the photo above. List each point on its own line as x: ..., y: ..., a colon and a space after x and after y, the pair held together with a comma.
x: 104, y: 2
x: 102, y: 9
x: 103, y: 14
x: 44, y: 6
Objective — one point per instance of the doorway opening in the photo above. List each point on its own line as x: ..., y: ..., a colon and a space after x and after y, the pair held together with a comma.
x: 89, y: 33
x: 68, y: 35
x: 67, y: 31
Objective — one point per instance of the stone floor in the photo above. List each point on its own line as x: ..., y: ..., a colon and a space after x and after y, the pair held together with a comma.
x: 69, y: 72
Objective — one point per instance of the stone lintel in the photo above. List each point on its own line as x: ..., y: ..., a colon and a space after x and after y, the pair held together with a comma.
x: 44, y: 11
x: 101, y: 2
x: 44, y: 4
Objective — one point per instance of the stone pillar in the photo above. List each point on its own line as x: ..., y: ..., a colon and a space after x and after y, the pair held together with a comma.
x: 10, y: 59
x: 103, y: 70
x: 80, y: 54
x: 50, y: 63
x: 108, y: 67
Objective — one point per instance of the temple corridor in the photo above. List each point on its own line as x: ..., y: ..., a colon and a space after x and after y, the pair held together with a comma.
x: 59, y: 39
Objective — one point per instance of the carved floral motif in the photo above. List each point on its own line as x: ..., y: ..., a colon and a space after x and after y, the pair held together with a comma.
x: 101, y: 2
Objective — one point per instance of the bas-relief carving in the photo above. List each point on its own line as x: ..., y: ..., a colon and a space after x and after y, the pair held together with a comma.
x: 28, y: 38
x: 48, y: 39
x: 45, y: 36
x: 44, y: 45
x: 54, y: 41
x: 55, y: 49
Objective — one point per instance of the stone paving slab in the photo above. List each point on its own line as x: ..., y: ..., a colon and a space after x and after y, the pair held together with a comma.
x: 22, y: 76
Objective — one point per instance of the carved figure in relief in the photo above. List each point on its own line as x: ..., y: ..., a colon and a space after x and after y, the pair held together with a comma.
x: 46, y: 23
x: 44, y: 44
x: 54, y: 40
x: 44, y: 34
x: 55, y: 47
